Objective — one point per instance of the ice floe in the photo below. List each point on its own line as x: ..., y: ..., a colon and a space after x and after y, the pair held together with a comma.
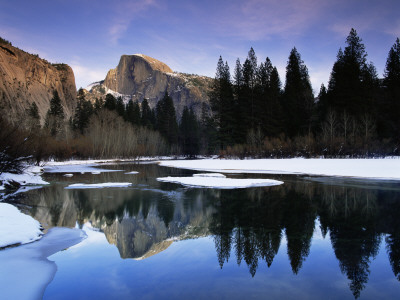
x: 98, y: 185
x: 17, y: 227
x: 219, y: 175
x: 76, y: 168
x: 219, y: 182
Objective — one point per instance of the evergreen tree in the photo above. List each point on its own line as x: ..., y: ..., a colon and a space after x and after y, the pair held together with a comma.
x: 111, y: 102
x: 83, y: 111
x: 166, y: 119
x: 33, y: 117
x: 222, y: 103
x: 120, y: 107
x: 133, y: 112
x: 240, y: 106
x: 99, y: 103
x: 189, y: 132
x: 248, y: 106
x: 298, y: 97
x: 353, y: 83
x: 391, y: 106
x: 272, y: 119
x: 54, y: 121
x: 147, y: 117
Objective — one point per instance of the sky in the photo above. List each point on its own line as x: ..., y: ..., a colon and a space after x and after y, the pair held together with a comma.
x: 189, y: 36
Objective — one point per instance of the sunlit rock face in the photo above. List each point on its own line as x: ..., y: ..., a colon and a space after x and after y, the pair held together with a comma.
x: 139, y: 76
x: 26, y: 78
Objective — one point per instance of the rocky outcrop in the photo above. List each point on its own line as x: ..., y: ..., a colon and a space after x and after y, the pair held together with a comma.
x: 139, y: 76
x: 26, y: 78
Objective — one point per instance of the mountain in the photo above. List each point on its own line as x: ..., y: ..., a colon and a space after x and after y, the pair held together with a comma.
x: 139, y: 76
x: 25, y: 78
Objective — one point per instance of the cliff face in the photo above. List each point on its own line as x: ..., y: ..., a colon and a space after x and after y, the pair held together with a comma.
x: 25, y: 78
x: 139, y: 76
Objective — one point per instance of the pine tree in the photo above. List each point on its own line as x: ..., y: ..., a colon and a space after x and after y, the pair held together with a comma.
x: 147, y: 117
x: 240, y: 105
x: 33, y: 117
x: 83, y: 112
x: 189, y: 133
x: 166, y: 119
x: 54, y: 121
x: 133, y: 112
x: 120, y: 107
x: 391, y: 106
x: 249, y: 89
x: 111, y: 102
x: 271, y: 109
x: 298, y: 98
x: 353, y: 83
x: 222, y: 103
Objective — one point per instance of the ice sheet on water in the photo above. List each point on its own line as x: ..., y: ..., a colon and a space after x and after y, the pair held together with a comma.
x: 220, y: 183
x: 98, y: 185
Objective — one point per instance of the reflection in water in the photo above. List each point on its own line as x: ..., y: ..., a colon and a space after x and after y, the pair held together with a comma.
x: 247, y: 224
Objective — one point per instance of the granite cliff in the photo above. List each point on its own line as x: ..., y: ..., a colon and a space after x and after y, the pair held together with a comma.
x: 139, y: 76
x: 26, y: 78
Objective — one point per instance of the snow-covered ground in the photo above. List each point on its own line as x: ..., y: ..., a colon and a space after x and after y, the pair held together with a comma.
x: 98, y: 185
x: 16, y: 227
x: 219, y: 182
x: 31, y: 176
x: 25, y: 271
x: 386, y: 169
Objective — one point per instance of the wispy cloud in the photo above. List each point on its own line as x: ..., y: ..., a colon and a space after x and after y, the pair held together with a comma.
x: 258, y: 19
x: 124, y: 12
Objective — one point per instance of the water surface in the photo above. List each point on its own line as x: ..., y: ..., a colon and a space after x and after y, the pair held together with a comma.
x: 310, y: 238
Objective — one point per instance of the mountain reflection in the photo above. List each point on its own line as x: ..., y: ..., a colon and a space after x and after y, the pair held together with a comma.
x: 247, y: 225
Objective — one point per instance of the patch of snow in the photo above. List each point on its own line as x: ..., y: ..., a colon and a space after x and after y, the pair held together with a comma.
x: 17, y: 227
x: 219, y: 175
x: 132, y: 172
x: 220, y: 183
x: 98, y: 185
x: 383, y: 169
x: 96, y: 173
x: 29, y: 177
x: 68, y: 175
x: 25, y: 270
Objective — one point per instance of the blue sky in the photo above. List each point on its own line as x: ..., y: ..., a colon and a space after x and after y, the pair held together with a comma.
x: 189, y: 36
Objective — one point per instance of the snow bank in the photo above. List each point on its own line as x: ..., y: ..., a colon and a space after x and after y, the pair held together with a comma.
x: 31, y: 176
x: 25, y: 271
x: 387, y: 169
x: 219, y: 182
x: 98, y: 185
x: 16, y: 227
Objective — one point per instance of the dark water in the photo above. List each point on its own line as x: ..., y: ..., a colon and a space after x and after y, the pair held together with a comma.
x: 310, y: 238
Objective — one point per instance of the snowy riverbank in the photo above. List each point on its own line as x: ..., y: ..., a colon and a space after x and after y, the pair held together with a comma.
x: 383, y: 169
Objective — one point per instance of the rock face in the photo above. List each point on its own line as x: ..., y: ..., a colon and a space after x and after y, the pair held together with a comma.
x: 139, y: 76
x: 26, y: 78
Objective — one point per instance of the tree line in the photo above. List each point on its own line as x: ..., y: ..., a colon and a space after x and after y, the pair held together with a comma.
x: 357, y: 114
